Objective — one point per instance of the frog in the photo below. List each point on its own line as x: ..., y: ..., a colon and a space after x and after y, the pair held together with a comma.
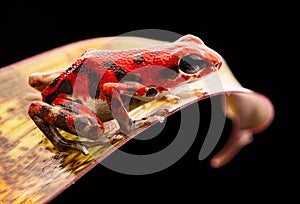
x: 97, y: 86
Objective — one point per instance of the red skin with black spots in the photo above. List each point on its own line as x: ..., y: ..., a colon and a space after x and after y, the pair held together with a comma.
x: 71, y: 101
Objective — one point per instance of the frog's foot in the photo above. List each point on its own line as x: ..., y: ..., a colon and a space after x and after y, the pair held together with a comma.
x: 66, y: 145
x: 159, y: 113
x: 158, y: 116
x: 59, y: 142
x: 117, y: 137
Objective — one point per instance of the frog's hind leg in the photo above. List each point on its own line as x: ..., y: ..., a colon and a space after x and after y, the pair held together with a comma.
x: 48, y: 118
x: 51, y: 132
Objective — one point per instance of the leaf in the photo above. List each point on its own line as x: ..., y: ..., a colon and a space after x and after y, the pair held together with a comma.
x: 32, y: 171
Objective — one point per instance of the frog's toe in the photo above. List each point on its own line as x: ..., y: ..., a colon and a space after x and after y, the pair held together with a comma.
x: 84, y: 150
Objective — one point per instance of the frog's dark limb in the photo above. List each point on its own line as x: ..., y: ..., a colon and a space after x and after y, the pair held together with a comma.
x: 48, y: 117
x: 76, y: 118
x: 133, y: 89
x: 113, y: 93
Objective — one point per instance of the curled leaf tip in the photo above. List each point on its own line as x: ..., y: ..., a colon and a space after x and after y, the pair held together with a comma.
x: 249, y: 111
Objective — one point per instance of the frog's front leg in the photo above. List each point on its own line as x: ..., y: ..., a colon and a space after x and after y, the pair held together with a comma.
x: 113, y: 93
x: 69, y: 116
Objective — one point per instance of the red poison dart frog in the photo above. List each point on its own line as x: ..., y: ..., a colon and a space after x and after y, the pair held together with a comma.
x: 93, y: 89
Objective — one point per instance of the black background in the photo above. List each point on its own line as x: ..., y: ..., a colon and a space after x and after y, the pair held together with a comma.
x: 251, y: 38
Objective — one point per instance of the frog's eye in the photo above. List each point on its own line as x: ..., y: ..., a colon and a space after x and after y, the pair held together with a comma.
x: 192, y: 64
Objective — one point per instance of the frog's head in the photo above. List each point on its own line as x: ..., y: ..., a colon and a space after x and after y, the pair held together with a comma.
x: 196, y: 60
x: 185, y: 60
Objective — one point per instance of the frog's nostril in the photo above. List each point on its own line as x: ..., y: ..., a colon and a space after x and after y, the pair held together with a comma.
x: 218, y: 64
